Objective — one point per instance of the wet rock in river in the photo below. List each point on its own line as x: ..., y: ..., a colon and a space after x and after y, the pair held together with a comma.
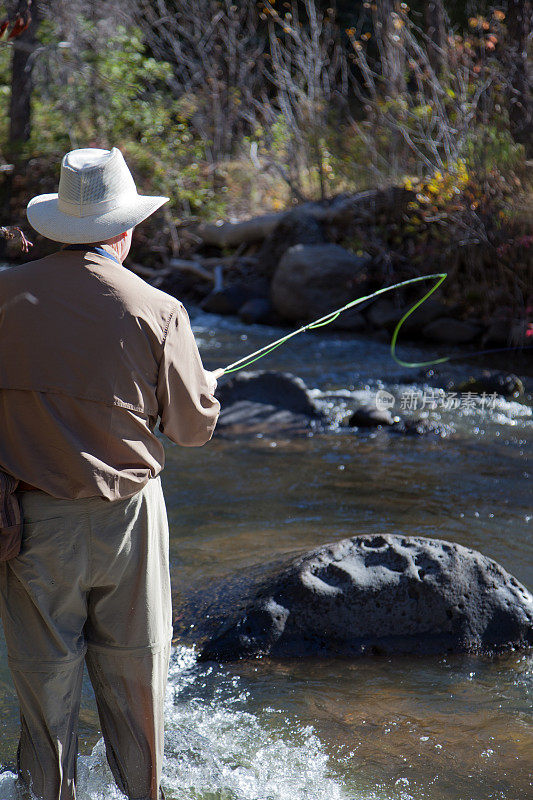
x: 228, y: 300
x: 430, y: 310
x: 490, y: 382
x: 371, y: 417
x: 351, y: 320
x: 374, y: 595
x: 258, y: 310
x: 266, y: 402
x: 506, y: 333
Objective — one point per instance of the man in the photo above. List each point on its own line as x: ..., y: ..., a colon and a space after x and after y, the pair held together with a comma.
x: 91, y: 357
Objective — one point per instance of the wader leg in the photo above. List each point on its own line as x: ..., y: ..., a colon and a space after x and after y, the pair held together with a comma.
x: 130, y: 694
x: 48, y: 747
x: 43, y: 608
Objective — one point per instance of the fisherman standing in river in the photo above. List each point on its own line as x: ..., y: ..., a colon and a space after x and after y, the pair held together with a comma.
x: 86, y: 370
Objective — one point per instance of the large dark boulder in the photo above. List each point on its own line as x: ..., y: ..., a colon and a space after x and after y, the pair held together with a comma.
x: 506, y: 333
x: 295, y: 227
x: 374, y: 595
x: 386, y: 313
x: 430, y: 310
x: 451, y: 331
x: 312, y: 280
x: 266, y: 402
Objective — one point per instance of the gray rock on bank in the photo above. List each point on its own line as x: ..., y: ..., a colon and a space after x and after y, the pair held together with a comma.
x: 312, y: 280
x: 376, y: 595
x: 451, y: 331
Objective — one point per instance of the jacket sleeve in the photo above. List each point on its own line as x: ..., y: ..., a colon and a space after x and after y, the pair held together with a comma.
x: 188, y: 410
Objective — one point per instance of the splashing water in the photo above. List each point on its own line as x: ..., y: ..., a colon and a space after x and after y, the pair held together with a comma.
x: 215, y: 750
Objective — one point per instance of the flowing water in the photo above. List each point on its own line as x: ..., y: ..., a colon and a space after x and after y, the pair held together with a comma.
x: 454, y: 728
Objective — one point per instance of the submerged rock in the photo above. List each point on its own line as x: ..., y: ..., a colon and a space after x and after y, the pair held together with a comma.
x: 422, y: 427
x: 374, y: 595
x: 490, y: 382
x: 266, y: 402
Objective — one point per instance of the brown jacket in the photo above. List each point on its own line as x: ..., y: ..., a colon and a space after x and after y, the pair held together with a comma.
x: 87, y: 370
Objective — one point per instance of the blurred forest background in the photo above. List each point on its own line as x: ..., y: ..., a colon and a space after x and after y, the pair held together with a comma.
x: 236, y: 109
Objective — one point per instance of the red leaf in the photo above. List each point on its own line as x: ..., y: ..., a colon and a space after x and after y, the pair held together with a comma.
x: 19, y: 26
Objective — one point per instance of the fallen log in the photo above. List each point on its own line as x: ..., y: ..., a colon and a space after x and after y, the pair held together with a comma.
x: 343, y: 208
x: 195, y: 267
x: 231, y: 234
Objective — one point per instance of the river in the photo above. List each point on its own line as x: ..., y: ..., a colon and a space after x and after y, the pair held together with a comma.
x: 450, y: 728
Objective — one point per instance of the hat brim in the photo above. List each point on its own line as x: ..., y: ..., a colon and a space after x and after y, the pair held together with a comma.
x: 45, y: 217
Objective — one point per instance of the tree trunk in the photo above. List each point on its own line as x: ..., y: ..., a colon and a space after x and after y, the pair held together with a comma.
x: 519, y: 17
x: 22, y: 83
x: 392, y: 51
x: 390, y: 40
x: 435, y: 23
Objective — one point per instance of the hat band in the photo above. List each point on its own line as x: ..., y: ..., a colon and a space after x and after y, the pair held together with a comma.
x: 82, y: 209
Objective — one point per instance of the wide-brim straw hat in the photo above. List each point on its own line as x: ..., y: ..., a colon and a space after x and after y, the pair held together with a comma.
x: 97, y: 199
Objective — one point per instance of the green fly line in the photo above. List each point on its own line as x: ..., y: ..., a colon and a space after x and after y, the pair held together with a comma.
x: 242, y: 363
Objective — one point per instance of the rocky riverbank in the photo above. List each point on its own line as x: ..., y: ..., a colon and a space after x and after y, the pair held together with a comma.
x: 298, y: 265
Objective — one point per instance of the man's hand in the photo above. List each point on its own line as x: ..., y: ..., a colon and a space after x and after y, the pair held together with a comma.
x: 212, y: 378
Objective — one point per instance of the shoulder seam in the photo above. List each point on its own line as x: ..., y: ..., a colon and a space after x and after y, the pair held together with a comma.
x: 167, y: 326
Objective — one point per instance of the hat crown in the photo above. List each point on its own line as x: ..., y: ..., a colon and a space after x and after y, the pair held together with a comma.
x: 93, y: 181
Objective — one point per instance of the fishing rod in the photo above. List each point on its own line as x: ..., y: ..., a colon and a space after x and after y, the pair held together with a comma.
x: 440, y: 277
x: 251, y: 358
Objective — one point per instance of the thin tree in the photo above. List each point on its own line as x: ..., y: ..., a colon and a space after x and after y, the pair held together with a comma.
x: 24, y: 16
x: 519, y: 19
x: 435, y: 23
x: 389, y: 38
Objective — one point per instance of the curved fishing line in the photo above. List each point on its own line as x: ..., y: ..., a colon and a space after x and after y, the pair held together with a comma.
x: 246, y: 361
x: 415, y: 364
